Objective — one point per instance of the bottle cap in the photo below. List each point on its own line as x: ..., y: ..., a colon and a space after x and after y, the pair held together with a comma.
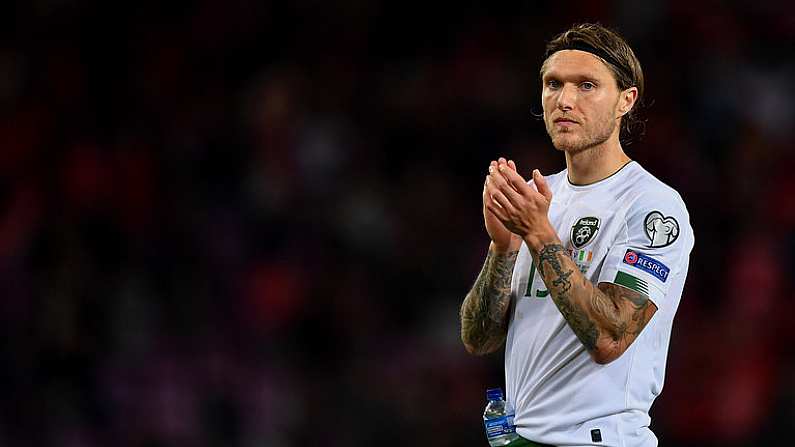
x: 494, y: 394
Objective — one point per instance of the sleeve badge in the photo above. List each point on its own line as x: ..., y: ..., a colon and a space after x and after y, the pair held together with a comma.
x: 661, y: 230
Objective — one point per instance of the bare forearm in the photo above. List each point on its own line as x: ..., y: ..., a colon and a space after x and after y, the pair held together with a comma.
x: 606, y: 321
x: 569, y: 291
x: 484, y: 313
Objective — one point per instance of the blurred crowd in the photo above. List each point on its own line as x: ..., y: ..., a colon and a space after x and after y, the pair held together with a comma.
x: 249, y: 223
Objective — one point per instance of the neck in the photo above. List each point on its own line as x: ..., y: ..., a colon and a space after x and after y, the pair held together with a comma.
x: 596, y: 163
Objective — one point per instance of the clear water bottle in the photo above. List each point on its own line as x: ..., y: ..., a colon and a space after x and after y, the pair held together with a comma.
x: 498, y: 419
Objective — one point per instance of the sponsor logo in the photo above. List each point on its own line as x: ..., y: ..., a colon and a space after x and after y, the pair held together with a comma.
x: 584, y: 231
x: 661, y: 230
x: 647, y: 264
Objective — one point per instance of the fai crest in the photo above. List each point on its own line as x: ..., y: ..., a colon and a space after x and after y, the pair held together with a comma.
x: 584, y: 230
x: 661, y: 230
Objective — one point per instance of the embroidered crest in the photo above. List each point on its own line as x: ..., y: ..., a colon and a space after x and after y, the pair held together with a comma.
x: 584, y: 231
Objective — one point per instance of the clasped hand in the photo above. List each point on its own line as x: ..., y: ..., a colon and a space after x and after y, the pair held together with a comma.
x: 521, y: 208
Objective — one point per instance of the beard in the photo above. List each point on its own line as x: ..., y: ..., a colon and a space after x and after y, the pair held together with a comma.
x: 580, y: 138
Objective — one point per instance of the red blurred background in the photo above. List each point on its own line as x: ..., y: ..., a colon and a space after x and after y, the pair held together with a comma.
x: 252, y: 223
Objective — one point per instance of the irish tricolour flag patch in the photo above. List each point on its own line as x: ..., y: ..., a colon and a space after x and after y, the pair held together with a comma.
x: 582, y: 258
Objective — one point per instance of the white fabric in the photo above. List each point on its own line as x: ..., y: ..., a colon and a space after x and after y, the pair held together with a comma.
x: 560, y: 394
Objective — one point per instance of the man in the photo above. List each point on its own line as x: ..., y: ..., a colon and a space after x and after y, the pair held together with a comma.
x: 586, y: 267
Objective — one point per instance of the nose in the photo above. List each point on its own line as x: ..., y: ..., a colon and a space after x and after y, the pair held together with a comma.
x: 567, y: 97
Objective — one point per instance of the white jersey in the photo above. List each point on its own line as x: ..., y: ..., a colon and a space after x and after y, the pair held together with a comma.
x: 629, y: 229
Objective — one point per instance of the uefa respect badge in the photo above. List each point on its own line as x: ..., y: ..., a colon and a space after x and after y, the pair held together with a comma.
x: 647, y: 264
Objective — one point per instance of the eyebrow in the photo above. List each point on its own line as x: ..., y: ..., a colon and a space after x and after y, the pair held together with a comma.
x: 574, y: 77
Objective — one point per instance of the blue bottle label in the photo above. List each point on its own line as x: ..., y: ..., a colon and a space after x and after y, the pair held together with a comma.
x: 499, y: 426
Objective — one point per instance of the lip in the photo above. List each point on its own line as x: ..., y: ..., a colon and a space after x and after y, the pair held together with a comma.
x: 564, y: 124
x: 565, y: 121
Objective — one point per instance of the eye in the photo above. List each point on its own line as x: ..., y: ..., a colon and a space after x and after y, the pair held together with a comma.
x: 587, y: 85
x: 552, y: 83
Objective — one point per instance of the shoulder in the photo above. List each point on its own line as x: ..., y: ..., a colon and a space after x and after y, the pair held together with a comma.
x: 656, y: 210
x: 649, y: 192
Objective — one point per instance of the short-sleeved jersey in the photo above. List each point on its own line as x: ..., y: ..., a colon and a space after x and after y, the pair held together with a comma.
x: 629, y: 229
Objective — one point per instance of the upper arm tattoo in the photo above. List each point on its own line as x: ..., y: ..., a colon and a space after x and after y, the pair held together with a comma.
x: 626, y: 310
x: 484, y: 313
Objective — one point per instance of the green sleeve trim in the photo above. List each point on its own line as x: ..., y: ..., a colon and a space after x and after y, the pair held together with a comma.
x: 632, y: 283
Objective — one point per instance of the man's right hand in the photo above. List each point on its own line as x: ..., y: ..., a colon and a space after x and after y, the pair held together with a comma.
x: 502, y: 240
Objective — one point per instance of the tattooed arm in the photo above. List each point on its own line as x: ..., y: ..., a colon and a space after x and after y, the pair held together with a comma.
x: 606, y: 319
x: 484, y: 313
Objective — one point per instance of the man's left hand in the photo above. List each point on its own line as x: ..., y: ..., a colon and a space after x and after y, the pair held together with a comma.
x: 522, y: 208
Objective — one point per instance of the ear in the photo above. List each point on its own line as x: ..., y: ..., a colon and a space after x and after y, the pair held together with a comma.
x: 626, y: 101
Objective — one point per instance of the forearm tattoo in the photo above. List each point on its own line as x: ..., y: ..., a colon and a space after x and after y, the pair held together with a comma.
x: 551, y: 260
x: 484, y: 313
x: 606, y: 319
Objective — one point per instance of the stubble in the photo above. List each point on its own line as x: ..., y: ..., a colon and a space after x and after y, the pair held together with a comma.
x: 580, y: 139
